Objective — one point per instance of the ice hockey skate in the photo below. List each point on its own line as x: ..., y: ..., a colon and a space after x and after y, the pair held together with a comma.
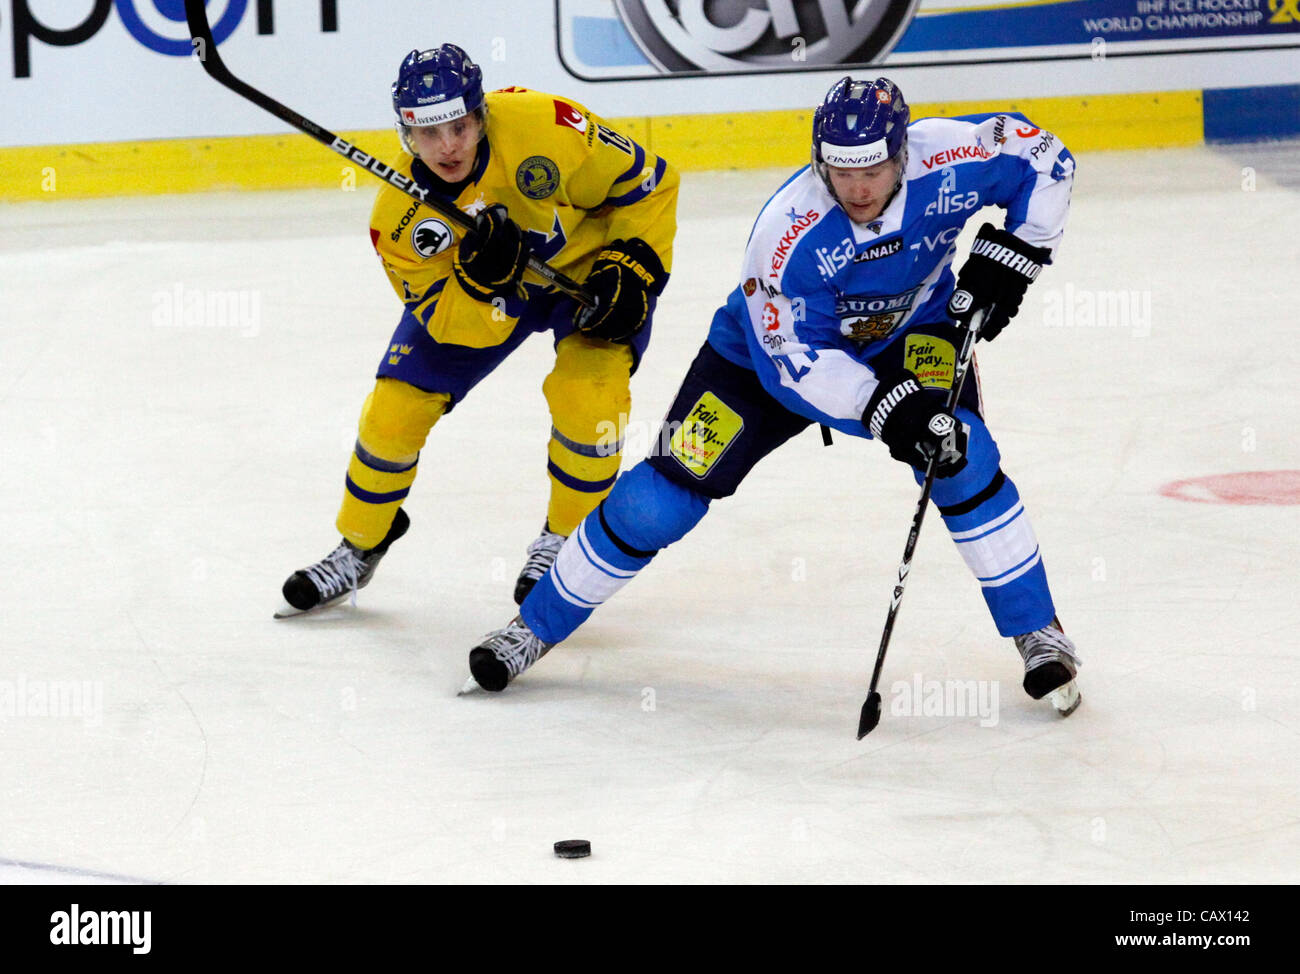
x: 504, y: 654
x: 337, y: 575
x: 1051, y: 663
x: 541, y: 556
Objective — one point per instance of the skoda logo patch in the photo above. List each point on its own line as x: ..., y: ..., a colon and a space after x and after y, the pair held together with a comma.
x: 537, y: 177
x: 692, y: 36
x: 430, y: 236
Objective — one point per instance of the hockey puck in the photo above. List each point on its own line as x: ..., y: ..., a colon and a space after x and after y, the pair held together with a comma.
x: 573, y: 848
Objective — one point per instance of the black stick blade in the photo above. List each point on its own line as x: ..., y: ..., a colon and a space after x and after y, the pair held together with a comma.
x: 870, y: 715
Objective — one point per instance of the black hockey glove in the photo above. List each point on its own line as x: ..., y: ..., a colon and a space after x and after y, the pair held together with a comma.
x: 912, y: 422
x: 491, y: 257
x: 1000, y: 267
x: 626, y: 273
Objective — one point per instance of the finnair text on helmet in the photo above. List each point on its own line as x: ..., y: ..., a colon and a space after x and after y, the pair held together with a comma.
x: 856, y: 156
x: 788, y: 238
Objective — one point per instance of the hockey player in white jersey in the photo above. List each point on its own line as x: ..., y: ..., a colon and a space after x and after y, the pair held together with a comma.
x: 848, y: 314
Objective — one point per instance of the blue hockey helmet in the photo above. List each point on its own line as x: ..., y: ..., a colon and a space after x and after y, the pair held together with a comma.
x: 436, y: 86
x: 859, y: 124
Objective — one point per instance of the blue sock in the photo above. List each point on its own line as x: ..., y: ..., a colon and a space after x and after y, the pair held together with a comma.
x: 642, y: 514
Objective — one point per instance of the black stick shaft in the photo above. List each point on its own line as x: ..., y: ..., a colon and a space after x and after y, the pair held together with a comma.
x: 905, y: 566
x: 205, y: 49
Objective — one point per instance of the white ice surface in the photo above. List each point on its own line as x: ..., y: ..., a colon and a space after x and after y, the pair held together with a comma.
x: 158, y: 484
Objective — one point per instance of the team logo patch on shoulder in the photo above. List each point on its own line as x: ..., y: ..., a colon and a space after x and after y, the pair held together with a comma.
x: 750, y: 286
x: 567, y: 115
x: 537, y: 177
x: 430, y: 236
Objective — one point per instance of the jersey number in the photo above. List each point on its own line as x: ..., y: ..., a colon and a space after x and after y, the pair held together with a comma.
x: 1059, y: 171
x: 796, y: 372
x: 610, y: 137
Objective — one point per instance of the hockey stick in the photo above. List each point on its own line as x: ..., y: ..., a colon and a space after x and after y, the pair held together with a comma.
x: 870, y: 716
x: 205, y: 49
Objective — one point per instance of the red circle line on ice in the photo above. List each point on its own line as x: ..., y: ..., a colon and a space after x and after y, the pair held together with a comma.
x: 1251, y: 487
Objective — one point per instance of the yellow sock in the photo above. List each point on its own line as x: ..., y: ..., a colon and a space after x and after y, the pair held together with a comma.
x: 395, y: 422
x: 589, y: 399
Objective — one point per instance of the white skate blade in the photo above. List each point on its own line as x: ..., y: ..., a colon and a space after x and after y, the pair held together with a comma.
x: 1066, y: 699
x: 287, y: 611
x: 471, y: 686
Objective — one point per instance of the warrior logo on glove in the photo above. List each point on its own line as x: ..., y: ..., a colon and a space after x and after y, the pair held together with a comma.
x: 1000, y: 268
x: 942, y: 424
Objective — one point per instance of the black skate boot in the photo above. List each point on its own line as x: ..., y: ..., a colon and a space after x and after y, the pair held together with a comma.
x: 340, y: 573
x: 504, y: 654
x: 1051, y: 662
x: 541, y: 556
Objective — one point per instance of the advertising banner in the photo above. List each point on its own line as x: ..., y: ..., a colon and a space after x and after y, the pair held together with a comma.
x: 607, y: 40
x: 93, y: 71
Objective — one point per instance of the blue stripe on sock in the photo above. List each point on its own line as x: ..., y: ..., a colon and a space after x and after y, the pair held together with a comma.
x: 574, y: 483
x: 1022, y: 605
x: 977, y: 537
x: 569, y: 594
x: 596, y: 562
x: 549, y: 614
x: 370, y: 497
x: 597, y: 452
x: 1012, y: 569
x: 377, y: 463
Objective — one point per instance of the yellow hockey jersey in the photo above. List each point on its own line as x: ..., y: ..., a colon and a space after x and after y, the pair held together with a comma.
x: 568, y: 179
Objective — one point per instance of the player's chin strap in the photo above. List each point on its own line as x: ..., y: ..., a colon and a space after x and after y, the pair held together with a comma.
x: 870, y: 715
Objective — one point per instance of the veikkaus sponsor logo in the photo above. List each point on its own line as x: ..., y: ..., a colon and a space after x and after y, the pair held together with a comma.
x: 799, y: 222
x: 961, y: 153
x: 695, y: 37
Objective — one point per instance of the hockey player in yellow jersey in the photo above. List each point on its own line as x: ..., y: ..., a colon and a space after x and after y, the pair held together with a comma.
x: 540, y: 175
